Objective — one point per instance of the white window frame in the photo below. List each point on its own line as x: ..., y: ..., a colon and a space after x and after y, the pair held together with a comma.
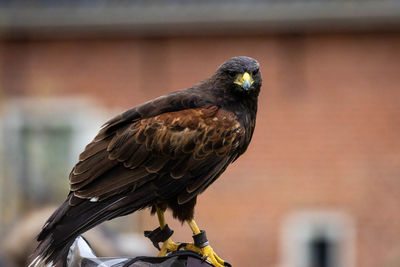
x: 81, y: 114
x: 301, y: 227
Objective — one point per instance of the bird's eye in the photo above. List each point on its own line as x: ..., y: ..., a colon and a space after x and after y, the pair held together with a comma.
x: 231, y: 73
x: 255, y: 72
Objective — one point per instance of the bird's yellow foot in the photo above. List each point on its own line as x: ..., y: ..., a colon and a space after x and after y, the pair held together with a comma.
x: 168, y: 246
x: 208, y: 254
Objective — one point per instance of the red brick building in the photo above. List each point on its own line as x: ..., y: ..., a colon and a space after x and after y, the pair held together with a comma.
x: 318, y: 186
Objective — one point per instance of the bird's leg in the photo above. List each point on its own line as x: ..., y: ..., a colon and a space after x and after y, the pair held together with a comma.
x: 168, y: 244
x: 202, y: 247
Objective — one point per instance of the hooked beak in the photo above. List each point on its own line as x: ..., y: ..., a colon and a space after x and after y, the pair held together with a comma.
x: 244, y: 80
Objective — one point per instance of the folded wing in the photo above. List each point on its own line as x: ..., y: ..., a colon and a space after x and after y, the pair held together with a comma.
x: 180, y: 153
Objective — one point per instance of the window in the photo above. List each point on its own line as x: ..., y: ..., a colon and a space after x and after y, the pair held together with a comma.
x: 321, y: 252
x: 41, y: 140
x: 318, y: 239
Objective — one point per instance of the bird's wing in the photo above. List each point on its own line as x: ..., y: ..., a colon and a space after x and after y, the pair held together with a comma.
x: 174, y: 101
x: 192, y: 146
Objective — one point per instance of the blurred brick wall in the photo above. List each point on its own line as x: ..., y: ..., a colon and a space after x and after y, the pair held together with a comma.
x: 327, y: 135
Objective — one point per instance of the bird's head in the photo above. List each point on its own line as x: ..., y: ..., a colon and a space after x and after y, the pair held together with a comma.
x: 241, y: 75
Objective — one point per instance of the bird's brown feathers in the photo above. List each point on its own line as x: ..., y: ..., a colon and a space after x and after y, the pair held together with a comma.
x: 168, y: 146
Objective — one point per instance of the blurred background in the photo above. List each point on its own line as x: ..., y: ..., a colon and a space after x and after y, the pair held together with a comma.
x: 318, y: 187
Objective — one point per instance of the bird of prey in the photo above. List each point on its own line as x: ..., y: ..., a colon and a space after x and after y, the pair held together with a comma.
x: 161, y: 155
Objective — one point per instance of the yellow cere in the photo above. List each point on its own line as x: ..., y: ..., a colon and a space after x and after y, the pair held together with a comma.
x: 244, y: 78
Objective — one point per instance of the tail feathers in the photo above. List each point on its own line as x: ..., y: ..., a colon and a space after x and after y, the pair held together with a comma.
x: 57, y: 236
x: 42, y: 257
x: 68, y: 222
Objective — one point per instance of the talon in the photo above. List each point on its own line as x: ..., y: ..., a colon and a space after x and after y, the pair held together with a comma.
x: 208, y: 254
x: 212, y: 257
x: 167, y: 247
x: 181, y: 246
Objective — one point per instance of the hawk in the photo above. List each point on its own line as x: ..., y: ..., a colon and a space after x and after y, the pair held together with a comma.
x: 161, y: 154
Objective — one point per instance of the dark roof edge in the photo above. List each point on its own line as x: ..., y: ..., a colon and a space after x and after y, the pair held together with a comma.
x: 197, y: 19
